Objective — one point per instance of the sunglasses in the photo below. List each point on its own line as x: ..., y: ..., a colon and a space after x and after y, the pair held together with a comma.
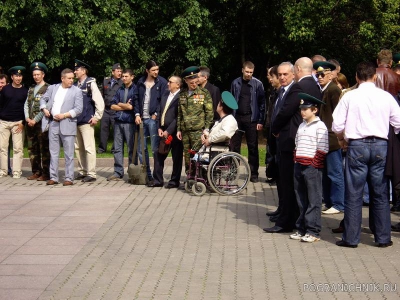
x: 320, y: 74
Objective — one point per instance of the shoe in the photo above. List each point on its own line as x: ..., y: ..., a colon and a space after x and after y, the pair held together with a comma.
x: 33, y: 177
x: 365, y: 203
x: 342, y: 243
x: 51, y: 182
x: 385, y: 245
x: 171, y: 186
x: 270, y: 180
x: 325, y: 208
x: 254, y: 179
x: 296, y: 236
x: 277, y: 229
x: 340, y: 229
x: 80, y: 177
x: 331, y: 211
x: 274, y: 213
x: 2, y: 174
x: 396, y: 206
x: 152, y: 184
x: 114, y: 178
x: 273, y: 219
x: 88, y: 179
x: 100, y: 151
x: 43, y: 178
x: 308, y: 238
x: 396, y: 227
x: 67, y: 183
x: 17, y: 175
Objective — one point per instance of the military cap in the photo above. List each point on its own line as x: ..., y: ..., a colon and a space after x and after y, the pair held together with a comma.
x: 39, y: 66
x: 190, y: 73
x: 16, y: 70
x: 321, y: 66
x: 79, y: 63
x: 396, y: 59
x: 116, y: 66
x: 307, y: 100
x: 229, y: 100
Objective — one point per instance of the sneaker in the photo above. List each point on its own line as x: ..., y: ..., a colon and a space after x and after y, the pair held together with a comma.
x: 296, y: 236
x: 114, y: 178
x: 308, y: 238
x: 2, y: 174
x: 16, y: 175
x: 331, y: 211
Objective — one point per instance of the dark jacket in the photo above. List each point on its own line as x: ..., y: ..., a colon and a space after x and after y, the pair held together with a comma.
x: 156, y: 92
x: 88, y: 103
x: 215, y: 96
x: 109, y: 92
x: 124, y: 116
x: 257, y: 98
x: 289, y: 118
x: 387, y: 80
x: 171, y: 115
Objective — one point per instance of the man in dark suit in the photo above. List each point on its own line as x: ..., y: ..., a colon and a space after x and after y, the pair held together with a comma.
x: 168, y: 127
x: 61, y: 104
x: 285, y: 121
x: 204, y: 74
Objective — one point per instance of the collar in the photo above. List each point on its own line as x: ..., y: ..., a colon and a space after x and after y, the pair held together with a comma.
x: 304, y: 77
x: 312, y: 122
x: 326, y: 86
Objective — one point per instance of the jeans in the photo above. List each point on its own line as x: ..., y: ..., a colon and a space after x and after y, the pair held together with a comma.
x: 150, y: 129
x: 333, y: 180
x: 122, y: 132
x: 308, y: 190
x: 365, y: 162
x: 366, y: 193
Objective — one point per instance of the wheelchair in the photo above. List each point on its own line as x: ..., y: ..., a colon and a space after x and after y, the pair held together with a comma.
x: 226, y: 173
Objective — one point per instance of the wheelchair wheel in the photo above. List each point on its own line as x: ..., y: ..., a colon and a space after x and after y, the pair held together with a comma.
x: 199, y: 188
x: 188, y: 185
x: 228, y: 173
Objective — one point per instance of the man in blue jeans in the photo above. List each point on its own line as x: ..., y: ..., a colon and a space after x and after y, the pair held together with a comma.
x: 361, y: 122
x: 146, y: 103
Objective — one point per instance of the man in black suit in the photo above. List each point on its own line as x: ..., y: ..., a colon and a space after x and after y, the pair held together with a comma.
x: 285, y: 121
x: 204, y: 74
x: 168, y: 127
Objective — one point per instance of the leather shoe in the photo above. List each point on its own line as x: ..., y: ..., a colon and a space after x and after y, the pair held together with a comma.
x: 172, y: 186
x: 342, y: 243
x: 51, y: 182
x: 89, y: 179
x: 395, y: 207
x: 277, y: 229
x: 152, y: 184
x: 33, y: 177
x: 43, y: 178
x: 274, y: 213
x: 273, y: 219
x: 385, y: 245
x: 254, y: 179
x: 340, y: 229
x: 67, y: 183
x: 80, y: 177
x: 396, y: 227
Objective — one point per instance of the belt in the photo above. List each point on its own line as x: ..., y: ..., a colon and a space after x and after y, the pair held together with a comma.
x: 369, y: 138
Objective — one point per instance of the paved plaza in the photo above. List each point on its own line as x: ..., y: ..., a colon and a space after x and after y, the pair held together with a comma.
x: 113, y: 240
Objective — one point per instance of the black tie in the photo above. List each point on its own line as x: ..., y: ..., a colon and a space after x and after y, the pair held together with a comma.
x: 278, y: 104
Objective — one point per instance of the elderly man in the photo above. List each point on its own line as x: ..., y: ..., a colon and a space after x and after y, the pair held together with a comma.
x: 93, y: 107
x: 38, y: 147
x: 361, y: 121
x: 215, y: 93
x: 61, y: 104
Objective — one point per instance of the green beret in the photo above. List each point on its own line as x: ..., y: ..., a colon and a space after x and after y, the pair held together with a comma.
x: 190, y: 73
x: 229, y: 100
x: 39, y: 66
x: 396, y: 59
x: 79, y: 63
x: 17, y: 70
x: 321, y: 66
x: 307, y: 100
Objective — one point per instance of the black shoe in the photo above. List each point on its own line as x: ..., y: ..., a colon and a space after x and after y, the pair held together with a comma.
x: 273, y: 219
x: 342, y: 243
x: 254, y: 179
x: 171, y: 186
x: 277, y: 229
x: 152, y: 184
x: 270, y: 180
x: 385, y: 245
x: 396, y: 206
x: 100, y: 151
x: 365, y: 203
x: 80, y: 177
x: 340, y: 229
x: 274, y: 213
x: 396, y: 227
x: 89, y: 179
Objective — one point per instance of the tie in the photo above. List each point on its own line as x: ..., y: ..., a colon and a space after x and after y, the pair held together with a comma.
x: 170, y: 97
x: 278, y: 104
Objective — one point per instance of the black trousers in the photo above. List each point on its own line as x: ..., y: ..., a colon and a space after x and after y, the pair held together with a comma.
x: 177, y: 156
x: 250, y: 130
x: 106, y: 123
x: 289, y: 210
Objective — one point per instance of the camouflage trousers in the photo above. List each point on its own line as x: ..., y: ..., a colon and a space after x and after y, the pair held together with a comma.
x: 191, y: 140
x: 38, y: 149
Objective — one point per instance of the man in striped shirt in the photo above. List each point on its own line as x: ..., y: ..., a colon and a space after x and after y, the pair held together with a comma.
x: 311, y: 148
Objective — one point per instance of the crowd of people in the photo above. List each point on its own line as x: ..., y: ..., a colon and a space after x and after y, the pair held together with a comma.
x: 326, y: 142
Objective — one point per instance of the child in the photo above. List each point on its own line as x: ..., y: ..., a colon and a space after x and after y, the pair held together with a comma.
x: 311, y: 147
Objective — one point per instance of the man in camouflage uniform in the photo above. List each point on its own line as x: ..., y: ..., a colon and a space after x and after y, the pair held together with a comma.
x: 38, y: 141
x: 195, y: 113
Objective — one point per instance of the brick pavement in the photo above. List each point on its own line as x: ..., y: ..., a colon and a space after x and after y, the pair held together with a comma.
x: 112, y: 240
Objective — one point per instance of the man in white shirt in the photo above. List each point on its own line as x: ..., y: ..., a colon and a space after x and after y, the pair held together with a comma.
x: 361, y: 122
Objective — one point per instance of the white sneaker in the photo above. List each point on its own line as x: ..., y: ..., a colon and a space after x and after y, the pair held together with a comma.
x: 308, y: 238
x: 16, y: 175
x: 296, y: 236
x: 2, y: 174
x: 331, y: 211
